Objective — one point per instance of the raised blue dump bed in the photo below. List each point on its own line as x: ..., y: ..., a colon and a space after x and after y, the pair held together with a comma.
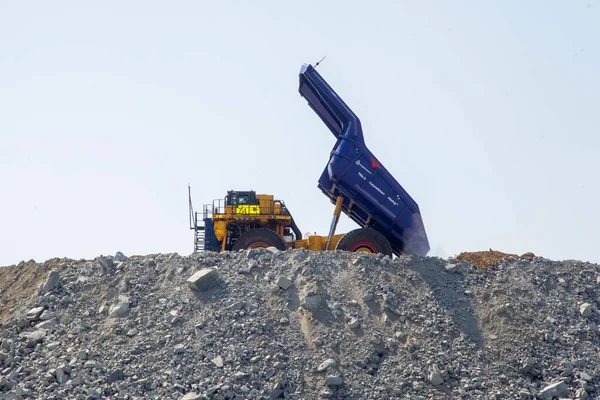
x: 372, y: 197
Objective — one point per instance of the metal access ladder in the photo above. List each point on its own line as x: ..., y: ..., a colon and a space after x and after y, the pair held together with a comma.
x: 197, y: 225
x: 199, y: 237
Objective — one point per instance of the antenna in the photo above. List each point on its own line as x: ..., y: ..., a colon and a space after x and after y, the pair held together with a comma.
x: 319, y: 62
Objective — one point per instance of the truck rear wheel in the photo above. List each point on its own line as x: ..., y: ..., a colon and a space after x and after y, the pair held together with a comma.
x: 365, y: 240
x: 259, y: 238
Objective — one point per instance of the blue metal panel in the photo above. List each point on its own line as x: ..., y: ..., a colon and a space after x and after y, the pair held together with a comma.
x: 210, y: 240
x: 373, y: 198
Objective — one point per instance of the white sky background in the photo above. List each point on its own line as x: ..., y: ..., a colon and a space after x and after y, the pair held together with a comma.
x: 487, y: 113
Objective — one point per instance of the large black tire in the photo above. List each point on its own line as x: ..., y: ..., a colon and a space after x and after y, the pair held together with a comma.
x: 259, y: 238
x: 365, y: 240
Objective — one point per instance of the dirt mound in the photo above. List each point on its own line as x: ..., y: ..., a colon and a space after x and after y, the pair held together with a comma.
x: 19, y: 282
x: 485, y: 259
x: 304, y: 325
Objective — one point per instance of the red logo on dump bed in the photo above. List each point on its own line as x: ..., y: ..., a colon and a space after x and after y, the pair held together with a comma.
x: 375, y: 164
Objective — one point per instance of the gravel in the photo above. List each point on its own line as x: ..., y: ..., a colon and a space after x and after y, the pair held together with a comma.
x: 266, y: 324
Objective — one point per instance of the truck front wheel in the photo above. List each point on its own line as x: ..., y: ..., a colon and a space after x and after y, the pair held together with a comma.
x: 365, y: 240
x: 259, y: 238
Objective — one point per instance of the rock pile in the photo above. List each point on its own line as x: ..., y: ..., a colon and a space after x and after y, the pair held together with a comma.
x: 265, y: 324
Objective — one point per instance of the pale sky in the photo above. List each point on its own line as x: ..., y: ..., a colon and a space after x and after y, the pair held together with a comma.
x: 487, y: 113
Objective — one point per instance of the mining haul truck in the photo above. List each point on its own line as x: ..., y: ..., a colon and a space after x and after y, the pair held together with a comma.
x: 354, y: 180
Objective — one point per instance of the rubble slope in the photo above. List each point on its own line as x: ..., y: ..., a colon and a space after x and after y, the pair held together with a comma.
x: 266, y: 324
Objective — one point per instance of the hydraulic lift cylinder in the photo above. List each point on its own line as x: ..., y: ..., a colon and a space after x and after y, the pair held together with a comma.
x: 336, y: 217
